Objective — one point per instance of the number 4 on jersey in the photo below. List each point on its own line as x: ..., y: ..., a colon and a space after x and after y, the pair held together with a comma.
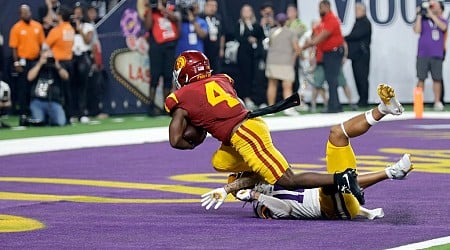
x: 216, y: 94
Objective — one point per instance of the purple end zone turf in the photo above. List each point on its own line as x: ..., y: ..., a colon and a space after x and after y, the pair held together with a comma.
x: 415, y: 209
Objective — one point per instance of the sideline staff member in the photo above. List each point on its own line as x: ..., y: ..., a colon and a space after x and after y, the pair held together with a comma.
x: 25, y: 40
x: 330, y: 41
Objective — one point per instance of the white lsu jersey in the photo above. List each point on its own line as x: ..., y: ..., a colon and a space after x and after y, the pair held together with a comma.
x: 303, y: 203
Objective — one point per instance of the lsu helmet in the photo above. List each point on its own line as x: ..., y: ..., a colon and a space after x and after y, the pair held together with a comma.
x: 190, y: 66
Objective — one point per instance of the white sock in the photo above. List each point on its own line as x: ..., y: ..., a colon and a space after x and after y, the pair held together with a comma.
x: 370, y: 119
x: 343, y: 130
x: 380, y: 108
x: 387, y: 170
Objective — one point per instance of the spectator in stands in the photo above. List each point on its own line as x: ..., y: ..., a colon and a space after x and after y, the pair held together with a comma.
x: 60, y: 40
x: 249, y: 34
x: 162, y: 23
x: 331, y: 42
x: 92, y: 14
x: 47, y: 93
x: 282, y: 53
x: 299, y: 28
x: 259, y: 90
x: 97, y: 82
x: 193, y: 29
x: 215, y: 40
x: 359, y: 52
x: 48, y: 16
x: 81, y: 63
x: 267, y: 21
x: 293, y: 22
x: 431, y: 26
x: 25, y: 40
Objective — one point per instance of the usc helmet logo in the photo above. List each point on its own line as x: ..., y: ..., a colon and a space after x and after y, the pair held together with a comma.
x: 180, y: 63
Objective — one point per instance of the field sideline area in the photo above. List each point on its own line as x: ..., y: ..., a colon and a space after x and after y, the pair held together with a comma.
x: 126, y: 187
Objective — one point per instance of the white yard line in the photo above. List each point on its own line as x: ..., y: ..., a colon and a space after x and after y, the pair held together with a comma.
x: 148, y: 135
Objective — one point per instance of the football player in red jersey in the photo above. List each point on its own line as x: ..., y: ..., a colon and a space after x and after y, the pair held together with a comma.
x: 210, y: 102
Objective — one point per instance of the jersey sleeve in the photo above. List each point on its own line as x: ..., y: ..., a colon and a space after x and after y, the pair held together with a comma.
x: 171, y: 103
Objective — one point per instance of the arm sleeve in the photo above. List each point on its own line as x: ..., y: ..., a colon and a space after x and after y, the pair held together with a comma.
x: 237, y: 34
x: 358, y: 32
x: 41, y: 34
x: 51, y: 38
x: 204, y: 25
x: 13, y: 39
x: 279, y: 208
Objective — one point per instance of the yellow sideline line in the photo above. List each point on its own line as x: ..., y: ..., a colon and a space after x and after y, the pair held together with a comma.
x: 111, y: 184
x: 86, y: 198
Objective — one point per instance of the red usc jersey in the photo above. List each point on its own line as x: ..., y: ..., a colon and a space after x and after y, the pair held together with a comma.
x: 211, y: 103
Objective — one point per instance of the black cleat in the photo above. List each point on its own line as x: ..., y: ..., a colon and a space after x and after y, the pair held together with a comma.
x: 346, y: 183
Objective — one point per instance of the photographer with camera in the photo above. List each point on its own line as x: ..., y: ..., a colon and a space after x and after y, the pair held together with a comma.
x: 5, y: 101
x: 162, y: 22
x: 431, y: 26
x: 193, y: 28
x: 47, y: 90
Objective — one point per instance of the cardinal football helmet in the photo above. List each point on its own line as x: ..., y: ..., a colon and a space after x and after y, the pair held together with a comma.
x: 190, y: 66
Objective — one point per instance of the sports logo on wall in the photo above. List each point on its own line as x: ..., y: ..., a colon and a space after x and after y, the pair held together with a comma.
x: 131, y: 66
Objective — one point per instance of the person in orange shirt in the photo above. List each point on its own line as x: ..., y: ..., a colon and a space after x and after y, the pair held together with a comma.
x: 60, y: 38
x: 25, y: 40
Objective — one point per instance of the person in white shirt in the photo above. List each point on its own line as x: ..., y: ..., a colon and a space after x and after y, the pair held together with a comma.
x: 82, y: 62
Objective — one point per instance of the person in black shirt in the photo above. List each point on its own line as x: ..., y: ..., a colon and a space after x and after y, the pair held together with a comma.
x: 47, y: 91
x: 359, y: 52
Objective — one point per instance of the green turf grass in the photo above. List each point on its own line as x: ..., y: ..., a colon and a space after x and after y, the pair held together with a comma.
x: 96, y: 125
x: 441, y: 247
x: 116, y: 123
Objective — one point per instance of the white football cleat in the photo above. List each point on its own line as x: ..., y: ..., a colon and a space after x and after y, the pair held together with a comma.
x: 400, y: 169
x: 389, y: 104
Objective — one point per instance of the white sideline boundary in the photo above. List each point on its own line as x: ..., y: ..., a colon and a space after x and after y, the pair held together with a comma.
x: 160, y: 134
x: 424, y: 244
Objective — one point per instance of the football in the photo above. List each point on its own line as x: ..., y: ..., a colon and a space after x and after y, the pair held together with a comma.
x: 194, y: 135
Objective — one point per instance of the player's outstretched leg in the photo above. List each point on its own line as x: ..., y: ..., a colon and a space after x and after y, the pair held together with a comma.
x: 397, y: 171
x: 360, y: 124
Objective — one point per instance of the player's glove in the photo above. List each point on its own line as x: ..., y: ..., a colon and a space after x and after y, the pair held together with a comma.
x: 244, y: 195
x: 217, y: 195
